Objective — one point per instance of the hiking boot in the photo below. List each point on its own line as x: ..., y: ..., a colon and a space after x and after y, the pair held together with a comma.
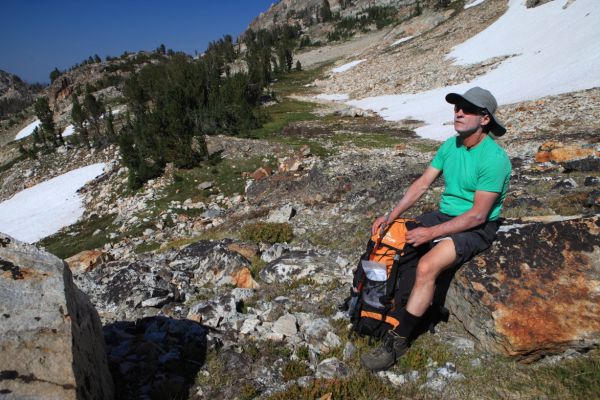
x: 386, y: 355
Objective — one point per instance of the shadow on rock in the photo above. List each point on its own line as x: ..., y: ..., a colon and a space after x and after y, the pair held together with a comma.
x: 155, y: 357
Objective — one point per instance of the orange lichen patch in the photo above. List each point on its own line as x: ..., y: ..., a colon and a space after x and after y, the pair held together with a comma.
x: 558, y: 152
x: 546, y: 312
x: 243, y: 279
x: 85, y: 261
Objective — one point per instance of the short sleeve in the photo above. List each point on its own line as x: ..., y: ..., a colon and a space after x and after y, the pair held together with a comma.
x: 493, y: 174
x: 442, y: 154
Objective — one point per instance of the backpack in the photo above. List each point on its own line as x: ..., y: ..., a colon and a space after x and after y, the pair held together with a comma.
x: 383, y: 280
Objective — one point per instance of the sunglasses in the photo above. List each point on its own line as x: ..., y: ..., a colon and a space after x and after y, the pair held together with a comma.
x: 469, y: 109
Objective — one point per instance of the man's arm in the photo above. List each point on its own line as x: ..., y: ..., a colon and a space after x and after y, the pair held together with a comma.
x: 477, y: 215
x: 413, y: 193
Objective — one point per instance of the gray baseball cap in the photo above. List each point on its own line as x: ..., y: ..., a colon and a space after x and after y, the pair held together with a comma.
x: 483, y: 99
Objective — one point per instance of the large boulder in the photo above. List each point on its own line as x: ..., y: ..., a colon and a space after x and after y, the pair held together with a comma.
x: 536, y: 291
x: 50, y: 335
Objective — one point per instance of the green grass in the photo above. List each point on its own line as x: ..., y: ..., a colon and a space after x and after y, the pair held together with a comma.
x: 361, y: 386
x: 79, y: 237
x: 281, y: 115
x: 226, y: 175
x: 293, y: 82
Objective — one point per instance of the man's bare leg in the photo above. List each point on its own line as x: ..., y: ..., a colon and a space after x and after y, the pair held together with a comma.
x: 396, y: 341
x: 439, y: 258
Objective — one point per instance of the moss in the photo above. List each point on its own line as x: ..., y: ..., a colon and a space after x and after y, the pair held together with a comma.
x: 267, y: 232
x: 147, y: 247
x: 248, y: 392
x: 294, y: 369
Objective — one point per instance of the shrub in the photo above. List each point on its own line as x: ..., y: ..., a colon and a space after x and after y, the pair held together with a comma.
x: 294, y: 370
x: 267, y: 232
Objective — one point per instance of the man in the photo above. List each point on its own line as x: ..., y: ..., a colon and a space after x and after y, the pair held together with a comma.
x: 476, y: 172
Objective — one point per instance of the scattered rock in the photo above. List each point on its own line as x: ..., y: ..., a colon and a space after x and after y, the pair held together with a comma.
x: 205, y: 185
x: 589, y: 164
x: 87, y: 260
x: 274, y: 252
x: 286, y: 325
x: 591, y: 181
x: 331, y: 368
x: 297, y: 265
x: 283, y: 214
x: 568, y: 183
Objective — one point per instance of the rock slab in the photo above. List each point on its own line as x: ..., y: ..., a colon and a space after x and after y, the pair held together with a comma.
x: 535, y: 292
x: 50, y: 335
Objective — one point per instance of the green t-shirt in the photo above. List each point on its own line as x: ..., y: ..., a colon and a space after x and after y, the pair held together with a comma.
x: 485, y: 167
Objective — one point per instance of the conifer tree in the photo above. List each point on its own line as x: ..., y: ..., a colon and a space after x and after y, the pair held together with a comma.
x: 97, y: 59
x: 326, y: 14
x: 110, y: 127
x: 94, y: 110
x: 54, y: 74
x: 298, y: 66
x: 44, y: 114
x: 79, y: 117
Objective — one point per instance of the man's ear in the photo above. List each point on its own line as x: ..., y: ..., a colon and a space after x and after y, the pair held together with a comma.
x: 485, y: 120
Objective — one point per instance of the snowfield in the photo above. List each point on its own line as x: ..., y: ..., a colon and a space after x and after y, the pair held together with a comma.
x: 28, y: 130
x: 44, y: 209
x: 554, y: 49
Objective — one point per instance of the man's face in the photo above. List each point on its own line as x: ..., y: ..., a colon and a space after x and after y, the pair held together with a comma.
x: 469, y: 119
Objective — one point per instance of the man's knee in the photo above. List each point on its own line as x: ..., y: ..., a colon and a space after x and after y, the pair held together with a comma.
x: 427, y: 271
x: 434, y: 262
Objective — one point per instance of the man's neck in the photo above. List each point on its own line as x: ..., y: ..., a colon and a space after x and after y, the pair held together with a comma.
x: 473, y: 140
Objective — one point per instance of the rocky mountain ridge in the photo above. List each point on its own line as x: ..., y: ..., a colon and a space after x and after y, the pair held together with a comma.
x: 13, y: 87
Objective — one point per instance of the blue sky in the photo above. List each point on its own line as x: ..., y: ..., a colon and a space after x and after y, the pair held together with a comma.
x: 38, y: 35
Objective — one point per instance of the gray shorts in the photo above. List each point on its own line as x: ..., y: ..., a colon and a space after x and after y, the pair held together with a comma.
x: 468, y: 243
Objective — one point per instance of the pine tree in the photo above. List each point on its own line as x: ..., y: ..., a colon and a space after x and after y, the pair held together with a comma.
x: 54, y: 74
x: 79, y: 117
x: 97, y: 59
x: 94, y: 110
x: 298, y: 66
x: 110, y: 127
x: 44, y: 114
x: 326, y: 14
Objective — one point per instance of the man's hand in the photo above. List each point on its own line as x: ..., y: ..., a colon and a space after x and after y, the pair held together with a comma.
x: 418, y: 236
x: 377, y: 224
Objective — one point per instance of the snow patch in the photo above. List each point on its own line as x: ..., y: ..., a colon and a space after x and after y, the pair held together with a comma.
x: 404, y: 39
x: 44, y: 209
x: 346, y: 67
x: 69, y: 130
x: 474, y: 3
x: 554, y: 50
x: 333, y: 97
x: 28, y: 130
